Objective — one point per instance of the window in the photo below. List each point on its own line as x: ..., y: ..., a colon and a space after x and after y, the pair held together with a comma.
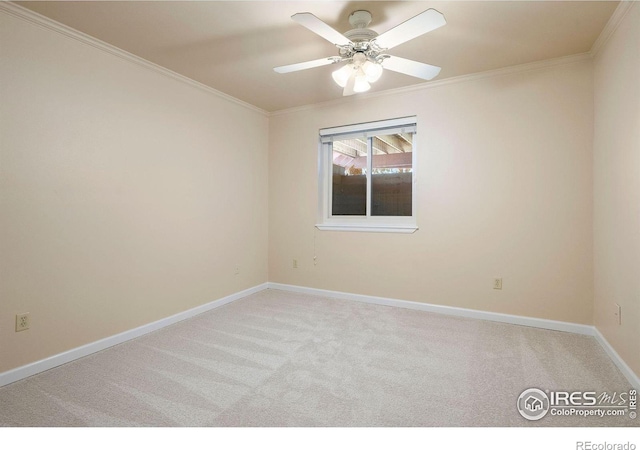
x: 367, y: 176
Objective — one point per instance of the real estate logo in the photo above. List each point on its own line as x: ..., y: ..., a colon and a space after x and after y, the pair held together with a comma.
x: 533, y: 404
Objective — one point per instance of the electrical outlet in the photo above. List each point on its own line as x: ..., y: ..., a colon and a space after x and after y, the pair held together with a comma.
x: 618, y: 313
x: 295, y: 263
x: 497, y: 283
x: 22, y: 322
x: 237, y: 271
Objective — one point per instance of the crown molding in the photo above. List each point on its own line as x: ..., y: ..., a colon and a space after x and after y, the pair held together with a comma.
x: 612, y: 25
x: 40, y: 20
x: 520, y: 68
x: 614, y: 21
x: 50, y: 24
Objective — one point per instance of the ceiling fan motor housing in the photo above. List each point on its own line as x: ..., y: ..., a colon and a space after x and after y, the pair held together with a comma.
x: 360, y: 36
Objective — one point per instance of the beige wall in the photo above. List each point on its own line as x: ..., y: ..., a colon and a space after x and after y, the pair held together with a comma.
x: 504, y: 190
x: 125, y: 196
x: 617, y: 188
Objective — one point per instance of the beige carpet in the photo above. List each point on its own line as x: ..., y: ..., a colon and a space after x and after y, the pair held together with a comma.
x: 277, y: 358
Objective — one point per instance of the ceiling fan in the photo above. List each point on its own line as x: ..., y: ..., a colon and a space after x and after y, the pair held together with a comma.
x: 363, y: 50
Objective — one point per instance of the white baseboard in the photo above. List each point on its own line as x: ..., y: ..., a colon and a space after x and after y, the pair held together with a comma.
x: 617, y: 360
x: 85, y: 350
x: 448, y: 310
x: 475, y: 314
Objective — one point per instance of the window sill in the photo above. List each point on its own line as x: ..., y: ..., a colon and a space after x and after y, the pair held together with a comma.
x: 407, y: 229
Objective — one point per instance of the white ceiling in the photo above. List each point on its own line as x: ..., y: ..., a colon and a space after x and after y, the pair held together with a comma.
x: 232, y: 46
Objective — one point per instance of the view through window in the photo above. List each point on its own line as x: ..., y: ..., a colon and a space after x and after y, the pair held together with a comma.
x: 391, y: 171
x: 369, y: 171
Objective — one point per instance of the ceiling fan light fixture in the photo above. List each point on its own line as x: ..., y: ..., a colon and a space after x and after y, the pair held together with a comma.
x: 341, y: 76
x: 361, y: 84
x: 372, y: 70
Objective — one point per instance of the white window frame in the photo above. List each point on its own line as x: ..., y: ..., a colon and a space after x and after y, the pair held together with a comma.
x: 368, y: 223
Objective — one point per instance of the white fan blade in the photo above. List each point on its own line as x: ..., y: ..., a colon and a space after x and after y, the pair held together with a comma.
x: 320, y: 28
x: 305, y: 65
x: 351, y: 82
x: 412, y: 28
x: 409, y: 67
